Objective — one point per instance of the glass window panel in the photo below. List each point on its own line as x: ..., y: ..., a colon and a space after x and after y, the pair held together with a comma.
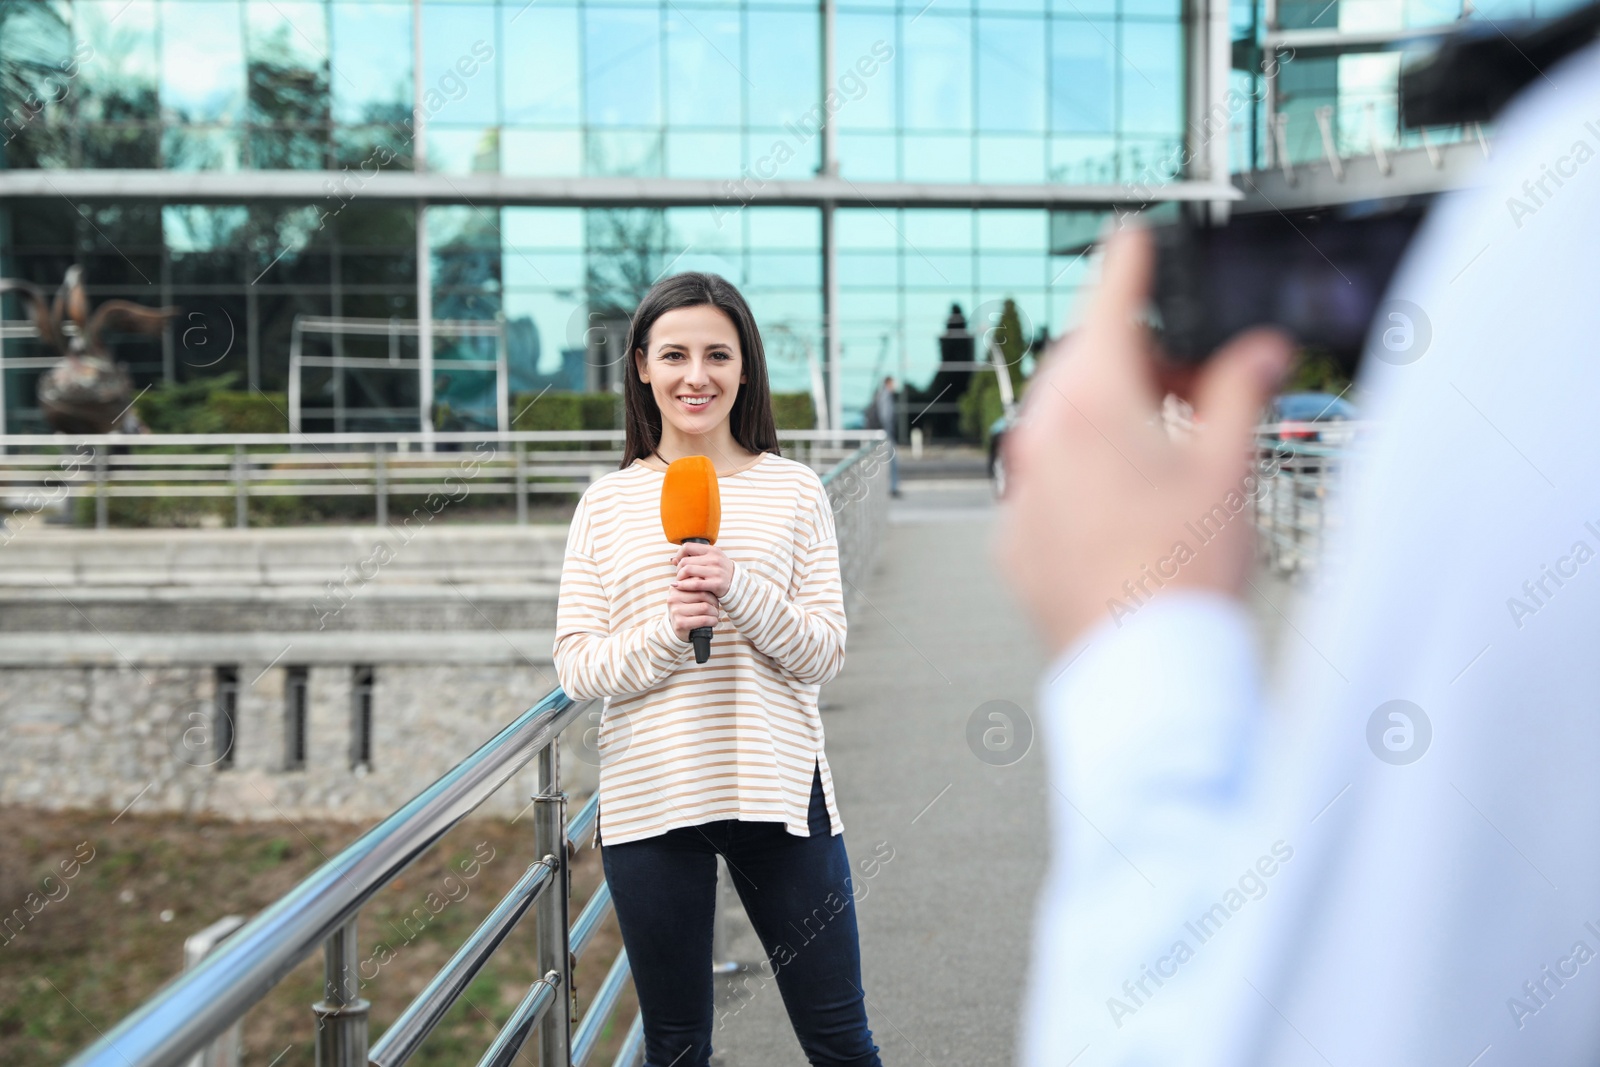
x: 622, y: 67
x: 371, y: 268
x: 1026, y: 230
x: 705, y: 230
x: 1159, y: 9
x: 527, y: 268
x: 202, y: 63
x: 1153, y: 59
x: 1083, y: 160
x: 1081, y: 9
x: 784, y: 268
x: 275, y: 315
x: 868, y: 268
x: 543, y: 227
x: 457, y: 228
x: 541, y: 153
x: 865, y: 43
x: 122, y: 146
x: 783, y: 153
x: 287, y: 61
x: 1011, y: 159
x: 1147, y: 160
x: 868, y: 156
x: 705, y: 81
x: 220, y: 309
x: 703, y: 155
x: 937, y: 228
x: 925, y: 315
x: 869, y: 228
x: 541, y: 84
x: 785, y: 227
x: 1081, y: 76
x: 798, y: 309
x: 936, y: 69
x: 928, y: 268
x: 460, y: 63
x: 547, y: 327
x: 122, y: 268
x: 1010, y: 270
x: 453, y: 150
x: 633, y: 153
x: 784, y: 66
x: 985, y: 7
x: 1011, y: 81
x: 198, y: 148
x: 119, y: 83
x: 292, y: 149
x: 371, y: 62
x: 931, y: 157
x: 365, y: 148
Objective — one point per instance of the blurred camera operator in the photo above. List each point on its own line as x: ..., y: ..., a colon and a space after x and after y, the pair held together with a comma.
x: 1328, y: 876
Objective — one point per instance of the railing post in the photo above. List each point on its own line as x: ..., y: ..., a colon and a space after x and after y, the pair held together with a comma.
x: 241, y: 488
x: 102, y: 505
x: 380, y: 483
x: 341, y: 1013
x: 550, y: 839
x: 522, y: 484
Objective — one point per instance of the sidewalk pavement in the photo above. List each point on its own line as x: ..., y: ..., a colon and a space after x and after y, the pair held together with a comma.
x: 945, y: 923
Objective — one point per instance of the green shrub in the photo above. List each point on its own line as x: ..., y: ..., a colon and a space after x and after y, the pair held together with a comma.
x: 212, y: 405
x: 981, y: 403
x: 794, y: 411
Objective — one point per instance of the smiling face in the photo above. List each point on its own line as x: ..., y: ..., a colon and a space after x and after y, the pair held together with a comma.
x: 694, y: 353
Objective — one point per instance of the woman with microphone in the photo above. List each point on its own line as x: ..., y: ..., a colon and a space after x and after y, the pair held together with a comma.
x: 723, y: 757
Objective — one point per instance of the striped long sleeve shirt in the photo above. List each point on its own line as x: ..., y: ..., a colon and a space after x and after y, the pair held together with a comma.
x: 737, y: 737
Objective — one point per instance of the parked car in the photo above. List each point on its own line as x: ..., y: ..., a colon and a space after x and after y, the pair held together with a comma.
x: 1312, y: 418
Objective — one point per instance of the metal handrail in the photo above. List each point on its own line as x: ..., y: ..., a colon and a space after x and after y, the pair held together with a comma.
x: 377, y: 466
x: 193, y: 1009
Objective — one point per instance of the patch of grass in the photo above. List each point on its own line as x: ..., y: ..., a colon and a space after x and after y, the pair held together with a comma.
x: 98, y: 947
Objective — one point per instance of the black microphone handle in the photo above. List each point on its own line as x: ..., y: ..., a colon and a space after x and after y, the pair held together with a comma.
x: 700, y: 635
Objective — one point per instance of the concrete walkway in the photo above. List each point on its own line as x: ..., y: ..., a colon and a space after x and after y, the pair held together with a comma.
x: 945, y: 923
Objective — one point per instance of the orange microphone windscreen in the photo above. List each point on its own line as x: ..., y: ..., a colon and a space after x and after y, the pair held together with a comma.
x: 690, y: 504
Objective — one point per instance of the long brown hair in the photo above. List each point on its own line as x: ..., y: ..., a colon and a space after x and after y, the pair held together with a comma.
x: 751, y: 419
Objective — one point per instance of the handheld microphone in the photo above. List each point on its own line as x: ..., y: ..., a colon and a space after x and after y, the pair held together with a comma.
x: 691, y: 510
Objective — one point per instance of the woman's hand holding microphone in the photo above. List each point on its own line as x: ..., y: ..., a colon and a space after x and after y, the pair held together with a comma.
x: 704, y: 574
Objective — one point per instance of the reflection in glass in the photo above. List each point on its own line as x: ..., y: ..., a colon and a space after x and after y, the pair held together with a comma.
x: 784, y: 65
x: 1081, y: 76
x: 460, y: 61
x: 623, y: 152
x: 935, y: 66
x: 200, y: 148
x: 622, y: 67
x: 121, y: 146
x: 541, y: 153
x: 704, y: 79
x: 202, y: 62
x: 119, y: 82
x: 541, y: 83
x: 1011, y: 78
x: 371, y: 60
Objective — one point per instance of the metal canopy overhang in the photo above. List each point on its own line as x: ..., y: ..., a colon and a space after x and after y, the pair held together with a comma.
x: 338, y: 187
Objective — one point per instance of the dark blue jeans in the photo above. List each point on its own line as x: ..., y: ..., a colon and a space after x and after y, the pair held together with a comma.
x: 798, y: 894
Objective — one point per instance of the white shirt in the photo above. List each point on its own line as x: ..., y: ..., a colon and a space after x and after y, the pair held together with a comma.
x: 1297, y: 899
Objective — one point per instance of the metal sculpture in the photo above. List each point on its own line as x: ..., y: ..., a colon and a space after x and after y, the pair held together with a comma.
x: 87, y: 391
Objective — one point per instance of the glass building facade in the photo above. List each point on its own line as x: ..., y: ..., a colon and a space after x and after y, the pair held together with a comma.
x: 698, y: 103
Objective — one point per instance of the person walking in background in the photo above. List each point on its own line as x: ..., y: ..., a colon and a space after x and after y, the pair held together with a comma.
x: 723, y: 757
x: 884, y: 411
